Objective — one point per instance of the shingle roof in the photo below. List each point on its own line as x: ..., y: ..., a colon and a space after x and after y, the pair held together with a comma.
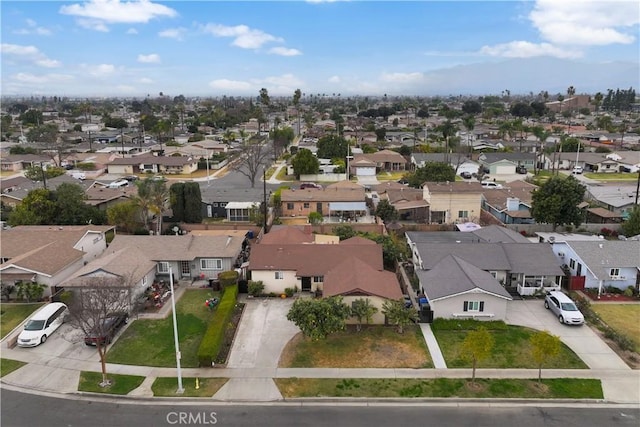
x: 286, y: 236
x: 454, y: 187
x: 607, y: 253
x: 354, y: 276
x: 453, y: 275
x: 324, y: 195
x: 180, y: 248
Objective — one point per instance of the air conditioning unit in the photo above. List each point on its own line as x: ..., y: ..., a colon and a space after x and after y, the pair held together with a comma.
x: 561, y: 254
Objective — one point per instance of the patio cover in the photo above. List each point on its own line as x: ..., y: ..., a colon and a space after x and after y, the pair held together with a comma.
x: 347, y: 206
x: 240, y: 205
x: 468, y: 226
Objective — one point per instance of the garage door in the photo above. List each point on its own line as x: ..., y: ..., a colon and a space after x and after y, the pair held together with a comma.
x: 366, y: 171
x: 505, y: 170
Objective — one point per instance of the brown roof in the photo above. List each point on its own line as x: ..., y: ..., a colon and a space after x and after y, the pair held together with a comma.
x: 388, y: 185
x: 180, y: 248
x: 404, y: 193
x: 456, y: 187
x: 498, y: 197
x: 410, y: 204
x: 44, y: 249
x: 603, y: 213
x: 382, y: 157
x: 520, y: 214
x: 158, y: 160
x: 345, y: 184
x: 357, y: 240
x: 312, y: 260
x: 354, y: 276
x: 334, y: 194
x: 98, y: 195
x: 286, y: 236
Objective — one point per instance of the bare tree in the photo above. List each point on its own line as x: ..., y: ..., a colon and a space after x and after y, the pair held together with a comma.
x: 93, y: 302
x: 249, y: 162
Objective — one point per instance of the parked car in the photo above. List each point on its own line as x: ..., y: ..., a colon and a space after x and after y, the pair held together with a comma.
x: 119, y: 183
x: 521, y: 170
x: 491, y: 184
x: 42, y: 324
x: 577, y: 170
x: 563, y: 307
x: 130, y: 178
x: 310, y: 185
x: 466, y: 175
x: 107, y: 329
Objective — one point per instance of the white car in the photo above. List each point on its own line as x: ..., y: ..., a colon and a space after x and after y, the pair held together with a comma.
x: 491, y: 184
x: 577, y: 170
x: 42, y: 324
x: 564, y: 308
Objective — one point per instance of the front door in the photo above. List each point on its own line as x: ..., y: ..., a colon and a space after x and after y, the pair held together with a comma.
x: 185, y: 269
x: 306, y: 284
x: 319, y: 207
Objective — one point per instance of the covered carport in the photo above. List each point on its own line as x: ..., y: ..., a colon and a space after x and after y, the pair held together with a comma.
x: 348, y: 211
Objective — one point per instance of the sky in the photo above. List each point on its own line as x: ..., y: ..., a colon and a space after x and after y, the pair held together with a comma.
x: 118, y: 48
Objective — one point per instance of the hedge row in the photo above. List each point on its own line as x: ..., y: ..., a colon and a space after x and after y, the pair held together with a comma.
x: 441, y: 324
x: 214, y: 336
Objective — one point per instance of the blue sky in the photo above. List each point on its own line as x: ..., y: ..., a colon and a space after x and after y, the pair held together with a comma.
x: 213, y: 48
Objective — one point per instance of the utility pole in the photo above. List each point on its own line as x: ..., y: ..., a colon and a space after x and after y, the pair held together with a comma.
x: 44, y: 177
x: 122, y: 140
x: 264, y: 193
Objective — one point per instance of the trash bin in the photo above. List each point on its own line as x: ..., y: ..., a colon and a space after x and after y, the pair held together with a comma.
x: 214, y: 284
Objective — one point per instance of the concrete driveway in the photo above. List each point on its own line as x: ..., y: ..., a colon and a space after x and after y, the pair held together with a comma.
x: 581, y: 339
x: 263, y: 333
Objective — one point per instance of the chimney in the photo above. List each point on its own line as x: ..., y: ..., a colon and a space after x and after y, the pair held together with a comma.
x: 228, y: 241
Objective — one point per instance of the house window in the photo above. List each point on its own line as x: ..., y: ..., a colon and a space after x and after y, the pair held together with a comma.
x: 211, y: 264
x: 306, y: 205
x: 463, y: 214
x: 279, y: 275
x: 223, y: 204
x: 473, y: 306
x: 614, y: 272
x: 144, y: 280
x: 215, y: 205
x: 318, y: 279
x: 163, y: 267
x: 572, y: 263
x: 494, y: 274
x: 290, y: 206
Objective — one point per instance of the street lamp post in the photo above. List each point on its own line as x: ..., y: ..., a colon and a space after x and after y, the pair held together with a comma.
x: 175, y: 333
x: 264, y: 194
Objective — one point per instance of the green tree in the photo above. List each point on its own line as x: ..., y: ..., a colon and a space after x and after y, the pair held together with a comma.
x: 34, y: 173
x: 477, y: 346
x: 31, y: 117
x: 631, y: 227
x: 315, y: 218
x: 125, y: 216
x: 332, y: 146
x: 344, y: 231
x: 544, y: 346
x: 362, y: 310
x: 176, y: 199
x: 305, y: 163
x: 318, y: 318
x: 38, y: 207
x: 151, y: 199
x: 29, y: 291
x: 192, y: 203
x: 472, y: 107
x: 432, y: 172
x: 397, y: 314
x: 556, y: 202
x: 71, y: 207
x: 386, y: 211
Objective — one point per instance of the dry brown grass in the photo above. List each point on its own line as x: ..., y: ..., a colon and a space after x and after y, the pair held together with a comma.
x: 373, y: 347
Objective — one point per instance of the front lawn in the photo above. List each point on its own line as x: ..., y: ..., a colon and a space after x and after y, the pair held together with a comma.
x: 623, y: 318
x: 11, y: 315
x: 611, y: 176
x: 7, y: 366
x: 511, y: 349
x: 150, y: 342
x: 120, y: 384
x: 373, y: 347
x: 558, y: 388
x: 207, y: 387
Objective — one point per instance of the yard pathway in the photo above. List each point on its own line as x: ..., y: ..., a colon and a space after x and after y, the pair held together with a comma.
x: 434, y: 348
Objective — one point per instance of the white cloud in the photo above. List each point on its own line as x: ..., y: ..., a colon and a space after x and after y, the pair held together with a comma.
x: 524, y: 49
x: 152, y: 58
x: 132, y: 31
x: 41, y: 79
x: 243, y: 36
x: 230, y: 85
x: 117, y: 12
x: 283, y: 51
x: 93, y: 24
x: 586, y: 23
x: 30, y: 54
x: 173, y: 33
x: 401, y: 77
x: 100, y: 70
x: 145, y: 80
x: 126, y: 89
x: 334, y: 79
x: 33, y: 28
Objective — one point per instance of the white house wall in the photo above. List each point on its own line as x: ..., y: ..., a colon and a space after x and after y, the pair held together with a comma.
x: 93, y: 245
x: 495, y: 308
x: 376, y: 319
x: 271, y: 284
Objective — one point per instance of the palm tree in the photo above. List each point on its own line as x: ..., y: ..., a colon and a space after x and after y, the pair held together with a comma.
x: 469, y: 123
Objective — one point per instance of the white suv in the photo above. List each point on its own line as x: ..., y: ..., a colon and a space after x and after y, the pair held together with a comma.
x: 564, y: 308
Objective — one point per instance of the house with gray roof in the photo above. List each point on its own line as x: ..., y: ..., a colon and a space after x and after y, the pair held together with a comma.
x: 234, y: 204
x: 455, y: 288
x: 617, y: 198
x: 601, y: 263
x: 510, y: 205
x: 505, y: 163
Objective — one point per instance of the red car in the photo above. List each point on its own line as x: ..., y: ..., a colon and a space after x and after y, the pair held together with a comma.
x: 107, y: 329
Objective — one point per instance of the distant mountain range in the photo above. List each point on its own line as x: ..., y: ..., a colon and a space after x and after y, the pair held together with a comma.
x: 521, y: 76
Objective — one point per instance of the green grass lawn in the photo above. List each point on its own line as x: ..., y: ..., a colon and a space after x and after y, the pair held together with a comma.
x: 120, y: 384
x: 11, y: 315
x: 150, y: 342
x: 558, y: 388
x: 7, y: 366
x: 391, y: 176
x: 612, y: 176
x: 166, y: 387
x: 373, y: 347
x: 623, y: 318
x: 511, y: 349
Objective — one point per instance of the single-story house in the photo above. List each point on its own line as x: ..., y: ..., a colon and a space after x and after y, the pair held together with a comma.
x: 385, y: 160
x: 183, y: 165
x: 19, y: 162
x: 510, y: 205
x: 335, y: 199
x: 231, y: 203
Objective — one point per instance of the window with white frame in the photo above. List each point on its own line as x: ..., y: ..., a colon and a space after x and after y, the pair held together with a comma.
x: 318, y: 279
x: 473, y: 306
x: 163, y: 267
x: 290, y: 206
x: 494, y: 274
x: 210, y: 264
x: 463, y: 214
x: 144, y: 280
x: 306, y: 205
x: 279, y: 275
x: 572, y: 263
x: 614, y: 272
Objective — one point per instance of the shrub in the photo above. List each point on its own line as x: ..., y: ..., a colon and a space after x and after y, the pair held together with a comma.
x: 256, y: 288
x: 289, y: 292
x: 86, y: 166
x: 214, y: 336
x: 467, y: 324
x: 228, y: 278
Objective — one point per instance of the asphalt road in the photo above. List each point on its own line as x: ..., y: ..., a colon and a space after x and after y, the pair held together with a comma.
x: 20, y: 410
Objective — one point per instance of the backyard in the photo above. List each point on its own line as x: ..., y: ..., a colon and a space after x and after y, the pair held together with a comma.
x: 623, y: 318
x: 11, y: 315
x: 512, y: 348
x: 150, y: 342
x: 373, y: 347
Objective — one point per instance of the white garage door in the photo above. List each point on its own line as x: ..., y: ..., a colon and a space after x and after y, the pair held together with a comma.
x: 366, y: 171
x: 505, y: 170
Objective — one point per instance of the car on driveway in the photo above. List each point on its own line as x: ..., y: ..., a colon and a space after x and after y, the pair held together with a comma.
x: 466, y: 175
x: 563, y: 307
x: 577, y: 170
x: 104, y: 332
x: 42, y: 324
